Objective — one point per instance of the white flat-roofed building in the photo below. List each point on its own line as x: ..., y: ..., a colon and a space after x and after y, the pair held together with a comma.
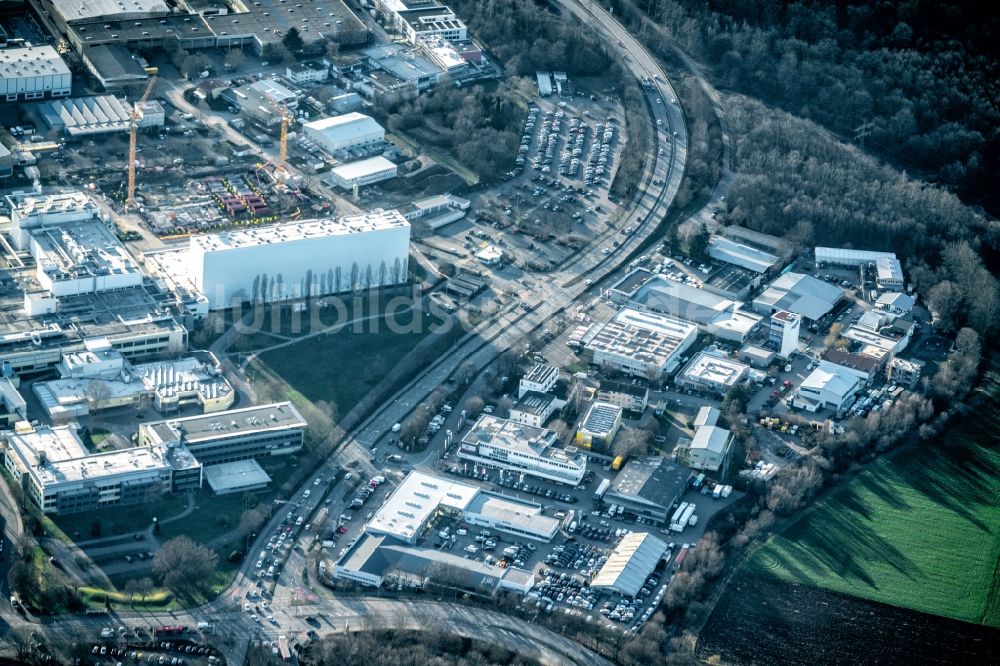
x: 714, y: 314
x: 533, y: 409
x: 308, y: 258
x: 431, y: 21
x: 337, y: 133
x: 712, y: 372
x: 801, y: 294
x: 783, y: 332
x: 33, y: 72
x: 61, y: 476
x: 599, y: 426
x: 419, y: 498
x: 437, y: 210
x: 363, y: 172
x: 504, y: 444
x: 739, y: 254
x: 709, y: 449
x: 541, y: 379
x: 889, y: 273
x: 30, y: 210
x: 309, y: 71
x: 513, y: 516
x: 168, y: 385
x: 838, y: 256
x: 75, y: 10
x: 81, y: 258
x: 406, y: 64
x: 829, y: 386
x: 640, y: 343
x: 240, y: 476
x: 630, y: 564
x: 236, y: 434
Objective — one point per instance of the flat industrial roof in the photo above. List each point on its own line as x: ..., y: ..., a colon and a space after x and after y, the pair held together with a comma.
x: 232, y: 476
x: 417, y: 498
x: 80, y: 249
x: 601, y: 417
x: 802, y: 294
x: 534, y: 402
x: 644, y: 336
x: 715, y: 369
x: 29, y: 61
x: 259, y: 418
x: 630, y: 563
x: 72, y: 10
x: 654, y: 479
x: 363, y: 168
x: 297, y: 231
x: 541, y: 373
x: 523, y: 515
x: 346, y: 125
x: 527, y: 440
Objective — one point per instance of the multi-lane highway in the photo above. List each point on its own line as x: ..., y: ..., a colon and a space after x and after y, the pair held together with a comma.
x: 558, y: 292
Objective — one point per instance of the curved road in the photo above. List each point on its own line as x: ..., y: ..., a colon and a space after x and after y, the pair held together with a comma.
x: 556, y: 293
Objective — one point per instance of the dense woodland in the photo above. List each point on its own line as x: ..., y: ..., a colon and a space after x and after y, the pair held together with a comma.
x: 918, y: 79
x: 796, y: 181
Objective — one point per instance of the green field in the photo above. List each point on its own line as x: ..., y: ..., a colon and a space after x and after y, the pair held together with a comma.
x: 920, y: 529
x: 337, y: 368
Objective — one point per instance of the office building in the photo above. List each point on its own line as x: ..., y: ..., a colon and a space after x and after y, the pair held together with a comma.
x: 599, y: 426
x: 33, y: 72
x: 363, y: 172
x: 339, y: 133
x: 709, y: 450
x: 642, y: 344
x: 236, y: 434
x: 504, y: 444
x: 630, y: 396
x: 406, y: 66
x: 712, y: 373
x: 81, y: 258
x: 533, y: 409
x: 59, y: 474
x: 783, y: 332
x: 311, y: 257
x: 309, y: 71
x: 829, y: 386
x: 99, y: 378
x: 889, y: 273
x: 431, y: 21
x: 649, y: 487
x: 631, y: 562
x: 35, y: 208
x: 905, y: 372
x: 541, y: 378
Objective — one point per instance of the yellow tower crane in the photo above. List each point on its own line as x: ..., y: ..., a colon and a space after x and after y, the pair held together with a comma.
x: 132, y: 128
x: 282, y: 171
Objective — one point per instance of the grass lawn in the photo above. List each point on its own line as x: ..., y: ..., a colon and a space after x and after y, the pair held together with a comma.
x: 118, y: 520
x: 920, y: 529
x: 338, y: 368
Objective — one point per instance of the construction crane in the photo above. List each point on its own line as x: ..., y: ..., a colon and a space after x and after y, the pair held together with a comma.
x: 132, y: 128
x: 282, y: 171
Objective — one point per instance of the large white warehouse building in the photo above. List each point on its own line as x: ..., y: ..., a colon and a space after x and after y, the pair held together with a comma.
x: 311, y: 257
x: 338, y: 133
x: 33, y: 72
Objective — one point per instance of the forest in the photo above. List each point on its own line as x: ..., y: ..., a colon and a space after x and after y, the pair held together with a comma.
x: 913, y: 82
x: 405, y: 648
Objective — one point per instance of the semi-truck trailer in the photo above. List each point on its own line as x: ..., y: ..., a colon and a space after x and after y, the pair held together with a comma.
x: 601, y: 489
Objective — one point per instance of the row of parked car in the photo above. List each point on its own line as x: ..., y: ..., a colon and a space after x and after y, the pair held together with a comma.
x: 366, y: 491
